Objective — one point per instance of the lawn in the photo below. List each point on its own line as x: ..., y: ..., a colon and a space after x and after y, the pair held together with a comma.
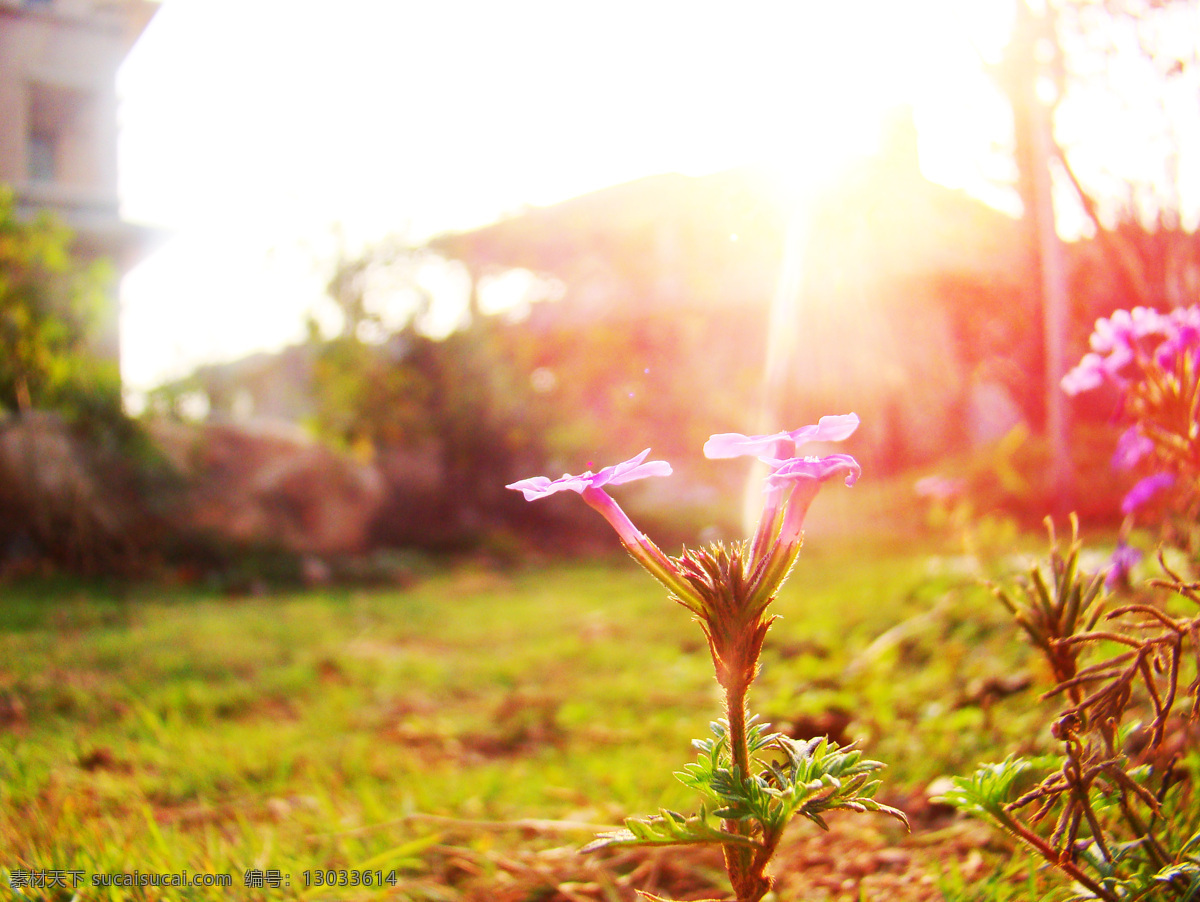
x: 461, y: 737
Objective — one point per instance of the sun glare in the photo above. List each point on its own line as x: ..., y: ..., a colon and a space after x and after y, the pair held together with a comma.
x: 845, y: 70
x: 401, y: 118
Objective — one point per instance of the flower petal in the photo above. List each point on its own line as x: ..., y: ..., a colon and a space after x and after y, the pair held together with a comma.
x: 828, y: 429
x: 819, y: 468
x: 649, y: 468
x: 540, y: 486
x: 734, y: 444
x: 1132, y: 446
x: 1145, y: 489
x: 1088, y: 374
x: 1124, y: 559
x: 629, y: 470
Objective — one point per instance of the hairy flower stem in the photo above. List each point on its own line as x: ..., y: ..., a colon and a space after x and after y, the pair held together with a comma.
x: 1054, y: 857
x: 738, y: 859
x: 745, y: 869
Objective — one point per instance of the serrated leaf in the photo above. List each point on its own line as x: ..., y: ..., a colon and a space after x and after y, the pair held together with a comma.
x: 1182, y: 869
x: 669, y: 829
x: 988, y: 790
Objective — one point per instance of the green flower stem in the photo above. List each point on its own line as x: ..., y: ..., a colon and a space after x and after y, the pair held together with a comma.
x: 658, y: 565
x: 738, y: 859
x: 770, y: 841
x: 745, y: 868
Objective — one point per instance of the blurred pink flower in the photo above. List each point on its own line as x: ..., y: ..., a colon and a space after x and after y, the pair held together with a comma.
x: 1132, y: 446
x: 1124, y: 559
x: 1118, y: 341
x: 1086, y: 375
x: 1145, y: 489
x: 1125, y: 327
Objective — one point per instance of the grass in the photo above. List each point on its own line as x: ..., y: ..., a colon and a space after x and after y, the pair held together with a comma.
x: 457, y: 732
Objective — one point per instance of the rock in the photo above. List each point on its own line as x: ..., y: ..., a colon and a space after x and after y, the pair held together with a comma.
x: 64, y: 497
x: 266, y: 486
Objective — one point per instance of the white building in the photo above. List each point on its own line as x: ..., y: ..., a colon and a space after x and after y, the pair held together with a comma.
x: 58, y: 121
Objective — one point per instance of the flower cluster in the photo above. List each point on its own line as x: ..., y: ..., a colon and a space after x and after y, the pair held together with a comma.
x: 1130, y: 342
x: 1153, y: 360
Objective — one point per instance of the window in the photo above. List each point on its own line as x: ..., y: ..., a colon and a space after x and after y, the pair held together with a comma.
x: 41, y: 152
x: 57, y: 137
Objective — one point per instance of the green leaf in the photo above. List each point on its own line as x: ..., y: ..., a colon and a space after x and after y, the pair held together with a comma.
x: 989, y: 789
x: 1193, y: 842
x: 669, y: 828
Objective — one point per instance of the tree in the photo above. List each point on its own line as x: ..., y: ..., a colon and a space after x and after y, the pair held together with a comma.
x: 49, y: 308
x: 80, y: 483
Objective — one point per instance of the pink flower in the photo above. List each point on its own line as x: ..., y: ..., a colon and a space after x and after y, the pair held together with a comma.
x: 805, y: 475
x: 1182, y: 331
x: 792, y: 485
x: 591, y: 487
x: 1125, y: 327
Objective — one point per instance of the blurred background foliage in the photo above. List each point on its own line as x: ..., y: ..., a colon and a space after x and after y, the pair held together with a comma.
x: 50, y: 306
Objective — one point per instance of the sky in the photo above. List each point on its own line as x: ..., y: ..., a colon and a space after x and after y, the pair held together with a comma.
x: 259, y: 136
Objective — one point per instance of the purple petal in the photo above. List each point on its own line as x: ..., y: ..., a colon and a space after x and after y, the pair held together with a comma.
x: 734, y: 444
x: 1145, y: 489
x: 1132, y: 446
x: 629, y: 470
x: 1108, y: 333
x: 1124, y: 559
x: 649, y: 468
x: 828, y: 429
x: 540, y: 486
x: 819, y: 468
x: 1088, y: 374
x: 533, y: 487
x: 1147, y: 321
x: 1118, y: 359
x: 1184, y: 336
